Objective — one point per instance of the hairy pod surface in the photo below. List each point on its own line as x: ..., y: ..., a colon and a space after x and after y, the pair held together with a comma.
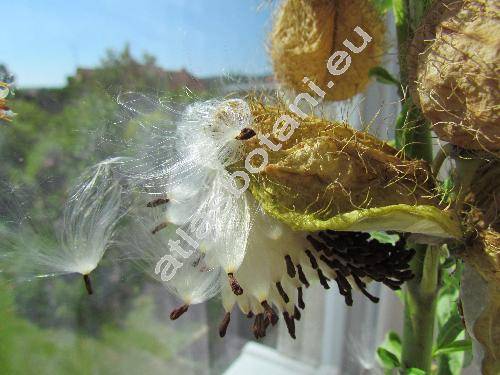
x: 306, y: 33
x: 454, y: 72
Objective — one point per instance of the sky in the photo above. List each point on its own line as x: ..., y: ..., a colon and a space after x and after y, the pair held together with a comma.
x: 43, y: 42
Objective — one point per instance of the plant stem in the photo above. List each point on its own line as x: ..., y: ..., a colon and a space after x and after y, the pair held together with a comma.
x: 420, y: 309
x: 421, y: 292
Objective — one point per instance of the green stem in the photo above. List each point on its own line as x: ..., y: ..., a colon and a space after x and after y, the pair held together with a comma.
x: 415, y: 130
x: 420, y: 309
x: 421, y: 292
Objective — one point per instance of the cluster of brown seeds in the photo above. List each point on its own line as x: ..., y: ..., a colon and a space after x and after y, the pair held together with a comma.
x: 351, y: 259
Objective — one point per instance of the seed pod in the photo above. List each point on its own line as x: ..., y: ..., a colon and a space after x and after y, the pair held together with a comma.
x: 482, y: 305
x: 454, y: 70
x: 484, y: 197
x: 329, y: 176
x: 307, y: 32
x: 480, y: 291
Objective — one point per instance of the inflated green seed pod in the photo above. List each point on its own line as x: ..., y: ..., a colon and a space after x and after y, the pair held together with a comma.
x: 454, y: 72
x: 327, y: 175
x: 307, y: 32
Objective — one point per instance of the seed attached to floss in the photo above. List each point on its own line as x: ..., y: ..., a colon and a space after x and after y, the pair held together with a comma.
x: 159, y: 227
x: 158, y: 202
x: 290, y: 268
x: 176, y: 313
x: 259, y: 326
x: 296, y: 313
x: 312, y: 259
x: 224, y: 324
x: 302, y: 276
x: 245, y: 134
x: 255, y: 250
x: 282, y: 292
x: 300, y: 298
x: 235, y: 286
x: 270, y: 313
x: 290, y: 324
x: 88, y: 284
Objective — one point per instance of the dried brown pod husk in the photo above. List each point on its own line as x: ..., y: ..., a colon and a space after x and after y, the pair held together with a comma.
x: 483, y: 198
x: 482, y: 254
x: 307, y: 32
x: 454, y: 66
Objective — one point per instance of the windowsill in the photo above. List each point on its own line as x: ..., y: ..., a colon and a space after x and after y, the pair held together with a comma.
x: 260, y: 359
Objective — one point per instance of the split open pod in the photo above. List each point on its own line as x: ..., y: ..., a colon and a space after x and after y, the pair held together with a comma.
x: 315, y: 175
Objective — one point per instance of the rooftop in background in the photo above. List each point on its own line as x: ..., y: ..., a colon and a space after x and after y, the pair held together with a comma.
x: 45, y: 42
x: 176, y: 80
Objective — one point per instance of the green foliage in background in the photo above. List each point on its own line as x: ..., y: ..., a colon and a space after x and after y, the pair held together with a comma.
x: 141, y: 344
x: 51, y: 324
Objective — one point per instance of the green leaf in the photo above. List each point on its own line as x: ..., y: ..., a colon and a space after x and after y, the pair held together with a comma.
x: 395, y: 341
x: 449, y: 262
x: 387, y: 359
x: 383, y: 5
x: 384, y: 237
x: 455, y: 346
x: 447, y: 190
x: 449, y: 332
x: 383, y: 76
x: 415, y: 371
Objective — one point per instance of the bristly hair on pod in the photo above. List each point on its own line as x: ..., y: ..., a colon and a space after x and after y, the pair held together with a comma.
x: 90, y: 217
x: 453, y: 65
x: 306, y: 33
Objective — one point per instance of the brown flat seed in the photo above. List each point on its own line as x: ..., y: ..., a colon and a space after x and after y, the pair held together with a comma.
x: 246, y: 133
x: 300, y: 299
x: 158, y: 202
x: 393, y: 284
x: 224, y: 324
x: 235, y: 286
x: 282, y: 292
x: 312, y: 259
x: 88, y: 284
x: 290, y: 324
x: 323, y: 279
x: 255, y: 327
x: 302, y: 276
x: 362, y: 286
x: 159, y: 227
x: 296, y: 313
x: 290, y: 268
x: 318, y: 246
x: 258, y: 328
x: 270, y: 313
x: 266, y: 324
x: 175, y: 314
